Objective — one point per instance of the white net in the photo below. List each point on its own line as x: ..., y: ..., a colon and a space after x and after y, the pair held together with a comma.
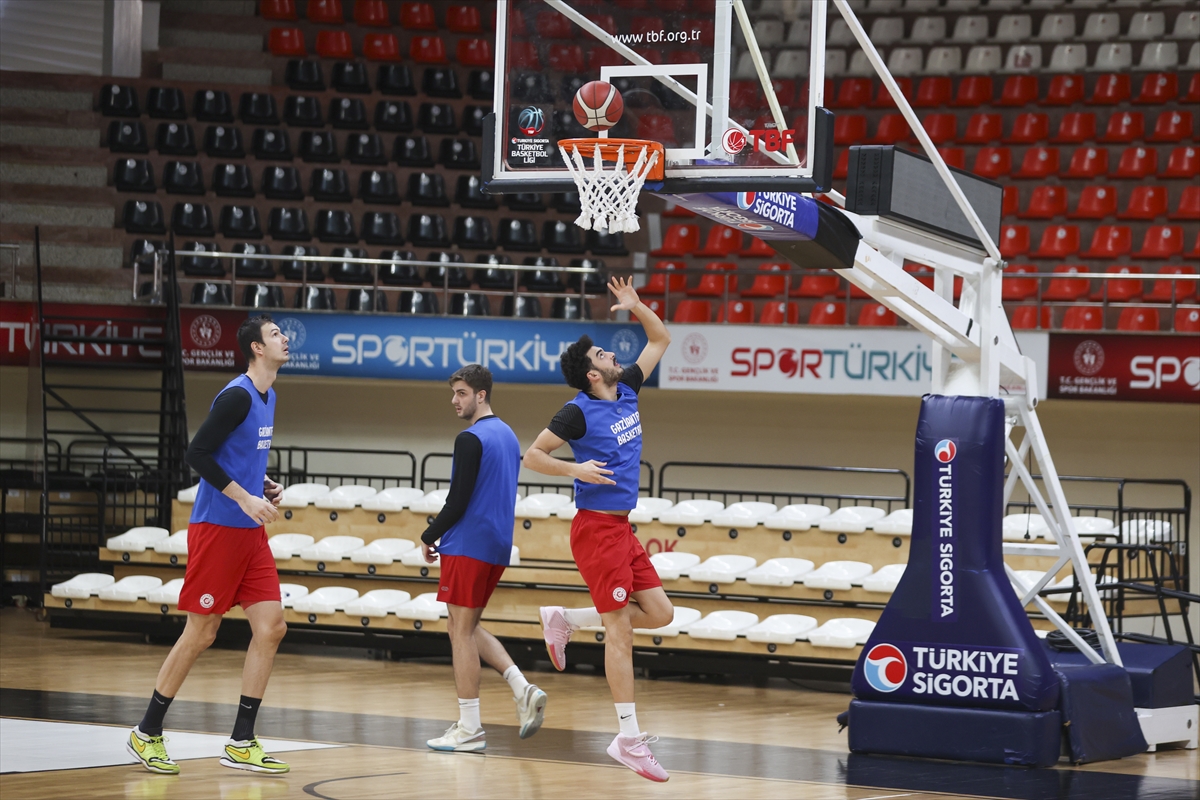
x: 608, y: 198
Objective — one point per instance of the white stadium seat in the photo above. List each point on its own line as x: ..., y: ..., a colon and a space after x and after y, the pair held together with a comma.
x: 130, y: 588
x: 722, y: 569
x: 1093, y: 526
x: 779, y: 572
x: 1014, y: 527
x: 173, y: 545
x: 768, y: 32
x: 1193, y: 59
x: 415, y: 558
x: 744, y: 515
x: 136, y: 540
x: 514, y: 557
x: 851, y: 519
x: 331, y: 548
x: 842, y: 632
x: 1187, y: 26
x: 540, y: 506
x: 835, y: 63
x: 691, y: 512
x: 1160, y: 56
x: 648, y: 509
x: 1114, y: 57
x: 396, y: 498
x: 1068, y: 58
x: 431, y: 503
x: 1143, y: 531
x: 1069, y: 583
x: 377, y: 603
x: 1101, y: 27
x: 944, y: 61
x: 886, y: 30
x: 928, y: 30
x: 1023, y: 58
x: 798, y: 517
x: 885, y: 579
x: 790, y: 64
x: 897, y: 523
x: 300, y: 495
x: 744, y: 71
x: 291, y: 592
x: 1014, y: 28
x: 983, y: 59
x: 962, y: 5
x: 860, y: 66
x: 381, y: 551
x: 837, y: 575
x: 884, y: 6
x: 567, y: 512
x: 722, y: 626
x: 187, y: 495
x: 345, y: 497
x: 970, y: 29
x: 82, y: 586
x: 838, y: 34
x: 168, y: 593
x: 799, y: 33
x: 682, y: 620
x: 325, y: 600
x: 670, y: 566
x: 423, y: 606
x: 1025, y: 579
x: 1057, y: 27
x: 288, y: 545
x: 1147, y: 25
x: 781, y: 629
x: 920, y: 5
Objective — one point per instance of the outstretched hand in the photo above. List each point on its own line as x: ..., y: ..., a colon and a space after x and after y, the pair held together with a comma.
x: 627, y: 296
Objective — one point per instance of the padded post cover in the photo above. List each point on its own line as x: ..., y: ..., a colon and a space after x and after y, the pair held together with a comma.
x: 1160, y: 674
x: 1097, y: 709
x: 954, y: 633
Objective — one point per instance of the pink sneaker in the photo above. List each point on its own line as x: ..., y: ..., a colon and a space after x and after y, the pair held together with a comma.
x: 634, y: 752
x: 557, y: 632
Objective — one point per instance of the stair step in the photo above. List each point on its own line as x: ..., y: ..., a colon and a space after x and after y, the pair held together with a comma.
x: 212, y: 40
x: 207, y: 73
x: 73, y: 255
x: 46, y: 136
x: 55, y: 214
x: 12, y: 97
x: 240, y: 8
x: 53, y: 175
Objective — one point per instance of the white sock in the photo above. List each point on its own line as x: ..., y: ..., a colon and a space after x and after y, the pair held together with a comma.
x: 582, y: 617
x: 627, y: 717
x: 516, y: 681
x: 468, y: 714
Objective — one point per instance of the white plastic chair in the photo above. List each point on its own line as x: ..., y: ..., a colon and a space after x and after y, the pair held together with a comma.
x: 1101, y: 27
x: 837, y: 34
x: 381, y: 551
x: 904, y: 61
x: 130, y: 588
x: 173, y: 545
x: 897, y: 523
x: 325, y: 600
x: 744, y: 71
x: 973, y: 28
x: 944, y: 61
x: 1187, y: 26
x: 1113, y: 57
x: 928, y: 30
x: 415, y: 558
x: 790, y: 64
x: 768, y: 32
x: 798, y: 517
x: 962, y: 5
x: 1057, y: 27
x: 884, y: 6
x: 541, y: 506
x: 1092, y: 526
x: 723, y: 626
x: 1068, y: 58
x: 859, y: 65
x: 838, y: 575
x: 683, y: 619
x: 722, y: 569
x: 1145, y: 531
x: 567, y: 512
x: 345, y: 497
x: 851, y: 519
x: 1014, y: 527
x: 300, y: 495
x: 1023, y: 58
x: 423, y: 606
x: 648, y: 509
x: 1160, y: 56
x: 779, y: 572
x: 291, y: 592
x: 920, y: 5
x: 781, y: 629
x: 136, y: 540
x: 187, y: 495
x: 845, y: 632
x: 167, y: 594
x: 886, y: 30
x: 835, y: 63
x: 377, y: 603
x: 744, y: 515
x: 82, y: 586
x: 800, y: 33
x: 1193, y: 59
x: 1147, y: 25
x: 983, y: 59
x: 1014, y: 28
x: 691, y: 512
x: 431, y: 503
x: 331, y: 548
x: 671, y: 566
x: 288, y: 545
x: 885, y: 579
x: 396, y: 498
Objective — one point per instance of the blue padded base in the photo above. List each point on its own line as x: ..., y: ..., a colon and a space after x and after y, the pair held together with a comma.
x: 1025, y: 738
x: 1161, y: 674
x: 1097, y: 705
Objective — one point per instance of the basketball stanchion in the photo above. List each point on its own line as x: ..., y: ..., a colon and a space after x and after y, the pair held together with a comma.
x: 608, y: 198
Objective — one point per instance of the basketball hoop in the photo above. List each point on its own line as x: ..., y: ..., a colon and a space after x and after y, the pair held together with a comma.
x: 608, y: 199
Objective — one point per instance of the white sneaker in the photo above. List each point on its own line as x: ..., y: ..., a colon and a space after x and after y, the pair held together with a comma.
x: 530, y: 710
x: 456, y: 739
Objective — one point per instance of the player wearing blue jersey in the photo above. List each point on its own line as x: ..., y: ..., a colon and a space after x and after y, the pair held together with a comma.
x: 604, y: 427
x: 472, y: 537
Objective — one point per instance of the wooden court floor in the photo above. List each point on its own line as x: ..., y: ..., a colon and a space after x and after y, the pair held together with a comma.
x: 719, y: 738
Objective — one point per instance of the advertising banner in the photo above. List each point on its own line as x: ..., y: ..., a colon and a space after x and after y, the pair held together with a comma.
x: 17, y: 332
x: 1125, y: 367
x: 208, y: 338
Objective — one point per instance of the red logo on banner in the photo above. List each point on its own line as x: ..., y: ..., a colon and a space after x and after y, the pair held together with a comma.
x: 1124, y: 367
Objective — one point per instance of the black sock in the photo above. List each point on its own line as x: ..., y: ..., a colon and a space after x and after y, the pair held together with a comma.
x: 243, y: 728
x: 152, y: 723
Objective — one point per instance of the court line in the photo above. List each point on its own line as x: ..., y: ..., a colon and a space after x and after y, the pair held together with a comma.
x: 311, y: 789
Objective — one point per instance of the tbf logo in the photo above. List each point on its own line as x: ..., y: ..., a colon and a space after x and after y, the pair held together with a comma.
x: 885, y: 668
x: 770, y: 140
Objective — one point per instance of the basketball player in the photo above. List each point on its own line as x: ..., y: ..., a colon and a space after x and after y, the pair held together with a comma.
x: 229, y: 562
x: 475, y: 531
x: 604, y: 428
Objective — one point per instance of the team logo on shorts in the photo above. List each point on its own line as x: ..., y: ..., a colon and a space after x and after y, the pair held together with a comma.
x: 619, y: 594
x: 445, y: 588
x: 206, y: 600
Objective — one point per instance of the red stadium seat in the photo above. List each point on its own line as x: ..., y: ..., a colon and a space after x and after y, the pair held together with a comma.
x: 1193, y: 93
x: 667, y: 276
x: 1137, y: 163
x: 335, y: 44
x: 1187, y: 320
x: 739, y: 312
x: 658, y: 127
x: 1119, y: 291
x: 827, y: 314
x: 818, y: 286
x: 942, y: 128
x: 1161, y: 241
x: 841, y: 168
x: 993, y: 162
x: 1164, y: 291
x: 849, y: 129
x: 1124, y: 126
x: 852, y: 93
x: 1110, y: 89
x: 288, y: 42
x: 645, y: 25
x: 371, y: 13
x: 954, y: 156
x: 714, y: 283
x: 922, y: 273
x: 1046, y: 202
x: 1188, y: 206
x: 1014, y: 240
x: 892, y: 128
x: 277, y: 9
x: 417, y: 17
x: 325, y: 12
x: 1172, y: 126
x: 1083, y: 318
x: 1138, y: 319
x: 523, y: 55
x: 1038, y: 163
x: 1088, y: 163
x: 1018, y: 90
x: 658, y: 306
x: 1029, y: 128
x: 756, y: 248
x: 1109, y: 241
x: 1145, y: 202
x: 604, y: 22
x: 934, y: 91
x: 1095, y: 202
x: 1058, y: 241
x: 1157, y: 89
x: 1194, y: 253
x: 516, y: 22
x: 777, y: 313
x: 983, y: 128
x: 1076, y: 127
x: 722, y: 241
x: 679, y: 240
x: 381, y: 47
x: 553, y: 25
x: 1066, y: 289
x: 432, y: 50
x: 464, y: 19
x: 770, y: 284
x: 693, y: 311
x: 1065, y: 90
x: 474, y: 52
x: 1184, y: 162
x: 1015, y: 288
x: 1025, y: 318
x: 1009, y: 201
x: 974, y: 91
x: 566, y: 57
x: 883, y: 98
x: 743, y: 94
x: 875, y: 315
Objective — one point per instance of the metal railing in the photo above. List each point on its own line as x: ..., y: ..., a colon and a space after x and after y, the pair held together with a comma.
x: 713, y: 481
x: 442, y: 460
x: 290, y: 465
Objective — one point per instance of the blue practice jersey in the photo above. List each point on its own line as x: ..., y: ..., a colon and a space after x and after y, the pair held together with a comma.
x: 485, y: 531
x: 243, y: 455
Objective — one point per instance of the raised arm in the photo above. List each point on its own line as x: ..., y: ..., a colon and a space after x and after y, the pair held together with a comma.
x: 539, y: 459
x: 657, y: 337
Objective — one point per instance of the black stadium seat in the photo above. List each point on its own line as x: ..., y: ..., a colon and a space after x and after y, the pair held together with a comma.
x: 394, y: 116
x: 233, y: 180
x: 532, y: 87
x: 335, y: 225
x: 348, y: 113
x: 525, y: 201
x: 607, y: 244
x: 440, y: 82
x: 521, y: 306
x: 427, y: 189
x: 290, y: 224
x: 447, y: 275
x: 480, y: 85
x: 399, y: 273
x: 318, y: 147
x: 571, y: 84
x: 417, y: 303
x: 175, y: 139
x: 428, y: 230
x: 263, y: 295
x: 348, y: 271
x: 366, y: 300
x: 199, y: 265
x: 437, y: 118
x: 256, y: 268
x: 378, y: 186
x: 350, y: 76
x: 412, y: 151
x: 133, y: 175
x: 473, y: 233
x: 166, y: 102
x: 282, y: 183
x: 492, y: 278
x: 294, y: 270
x: 240, y: 222
x: 519, y: 235
x: 459, y: 154
x: 469, y: 193
x: 593, y: 282
x: 472, y: 124
x: 541, y: 280
x: 569, y: 308
x: 560, y: 236
x: 304, y: 75
x: 127, y: 137
x: 469, y: 304
x: 381, y: 227
x: 258, y: 108
x: 119, y: 101
x: 315, y: 298
x: 272, y: 143
x: 211, y: 294
x: 144, y: 249
x: 212, y: 105
x: 192, y: 219
x: 183, y: 177
x: 302, y: 111
x: 395, y: 79
x: 565, y: 202
x: 330, y: 184
x: 143, y: 216
x: 224, y: 141
x: 365, y: 148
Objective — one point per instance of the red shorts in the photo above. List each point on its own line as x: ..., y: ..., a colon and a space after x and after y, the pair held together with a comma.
x: 467, y: 582
x: 227, y: 567
x: 611, y: 560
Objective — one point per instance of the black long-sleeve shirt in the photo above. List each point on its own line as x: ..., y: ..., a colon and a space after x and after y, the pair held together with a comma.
x: 468, y: 455
x: 229, y: 410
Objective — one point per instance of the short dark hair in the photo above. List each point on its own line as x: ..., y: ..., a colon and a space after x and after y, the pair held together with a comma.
x: 478, y: 377
x: 250, y: 332
x: 576, y: 362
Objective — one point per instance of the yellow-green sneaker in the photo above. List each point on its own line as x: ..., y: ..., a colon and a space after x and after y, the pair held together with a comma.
x: 249, y: 755
x: 152, y: 752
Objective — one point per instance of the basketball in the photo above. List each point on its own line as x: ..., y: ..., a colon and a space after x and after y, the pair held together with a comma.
x: 598, y: 106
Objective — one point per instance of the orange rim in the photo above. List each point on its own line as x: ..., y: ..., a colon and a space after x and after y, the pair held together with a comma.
x: 609, y: 149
